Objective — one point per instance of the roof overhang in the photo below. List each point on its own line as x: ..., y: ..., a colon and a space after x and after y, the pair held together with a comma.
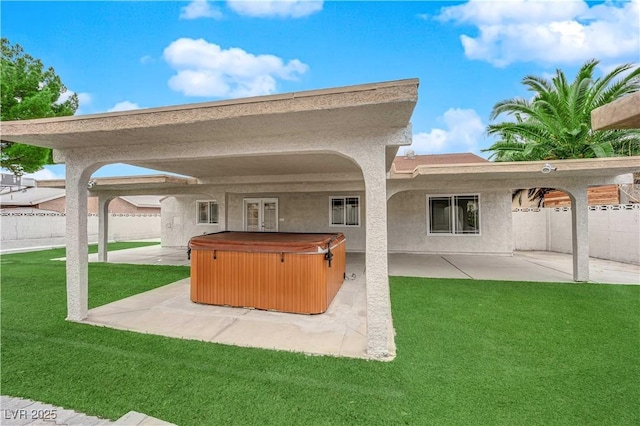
x: 525, y: 170
x: 150, y: 182
x: 330, y: 113
x: 623, y: 113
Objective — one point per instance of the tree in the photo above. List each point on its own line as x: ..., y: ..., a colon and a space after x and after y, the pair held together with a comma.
x: 29, y: 91
x: 556, y: 123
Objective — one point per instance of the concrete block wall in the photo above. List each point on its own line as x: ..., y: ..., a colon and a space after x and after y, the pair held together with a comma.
x: 22, y: 227
x: 531, y: 230
x: 614, y: 232
x: 21, y: 231
x: 559, y: 229
x: 129, y: 226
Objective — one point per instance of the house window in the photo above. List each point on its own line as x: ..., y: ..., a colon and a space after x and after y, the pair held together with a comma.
x: 344, y: 211
x: 207, y: 212
x: 453, y: 214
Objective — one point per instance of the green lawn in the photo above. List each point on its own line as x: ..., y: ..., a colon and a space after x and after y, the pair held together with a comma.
x: 469, y: 352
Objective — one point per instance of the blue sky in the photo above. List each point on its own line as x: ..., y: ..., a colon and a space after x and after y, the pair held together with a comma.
x: 467, y: 55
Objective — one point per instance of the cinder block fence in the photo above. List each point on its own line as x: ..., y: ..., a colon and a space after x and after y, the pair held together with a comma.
x: 614, y: 231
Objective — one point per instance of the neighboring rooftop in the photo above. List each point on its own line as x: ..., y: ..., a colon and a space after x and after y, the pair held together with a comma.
x: 28, y: 211
x: 407, y: 163
x: 151, y: 201
x: 30, y: 196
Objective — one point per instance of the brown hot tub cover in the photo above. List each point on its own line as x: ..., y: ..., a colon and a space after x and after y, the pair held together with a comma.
x: 266, y: 242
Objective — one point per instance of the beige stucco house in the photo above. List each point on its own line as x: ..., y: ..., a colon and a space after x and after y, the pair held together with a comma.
x: 309, y: 161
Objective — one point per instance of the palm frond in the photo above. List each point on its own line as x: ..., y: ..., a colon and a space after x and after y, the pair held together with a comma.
x: 556, y: 123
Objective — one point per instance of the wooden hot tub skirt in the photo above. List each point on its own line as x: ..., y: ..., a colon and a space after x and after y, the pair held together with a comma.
x: 265, y: 275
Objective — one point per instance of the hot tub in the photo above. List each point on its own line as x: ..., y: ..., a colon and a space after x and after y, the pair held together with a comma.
x: 287, y: 272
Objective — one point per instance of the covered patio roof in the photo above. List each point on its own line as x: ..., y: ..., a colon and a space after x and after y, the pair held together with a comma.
x: 523, y: 174
x: 150, y: 182
x: 512, y: 174
x: 359, y: 110
x: 623, y: 113
x: 526, y: 169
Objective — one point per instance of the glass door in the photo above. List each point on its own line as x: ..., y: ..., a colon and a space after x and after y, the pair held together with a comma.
x: 261, y: 214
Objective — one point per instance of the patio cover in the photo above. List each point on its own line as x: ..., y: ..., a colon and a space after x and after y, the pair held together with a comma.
x: 623, y: 113
x: 349, y: 133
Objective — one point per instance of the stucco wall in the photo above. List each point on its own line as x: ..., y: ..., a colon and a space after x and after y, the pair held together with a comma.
x: 407, y: 225
x: 309, y: 212
x: 614, y: 232
x: 48, y: 230
x: 179, y: 218
x: 298, y: 212
x: 302, y: 212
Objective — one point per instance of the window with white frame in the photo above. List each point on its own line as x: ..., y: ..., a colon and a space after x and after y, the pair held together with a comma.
x: 453, y: 214
x: 344, y: 211
x: 207, y: 212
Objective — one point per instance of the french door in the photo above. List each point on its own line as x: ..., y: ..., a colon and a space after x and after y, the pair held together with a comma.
x: 261, y: 214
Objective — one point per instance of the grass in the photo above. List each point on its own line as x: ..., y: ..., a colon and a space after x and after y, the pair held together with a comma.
x: 469, y: 352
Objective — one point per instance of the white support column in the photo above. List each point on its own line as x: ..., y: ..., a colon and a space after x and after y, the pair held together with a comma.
x: 580, y: 232
x: 380, y: 343
x: 103, y: 227
x: 77, y: 241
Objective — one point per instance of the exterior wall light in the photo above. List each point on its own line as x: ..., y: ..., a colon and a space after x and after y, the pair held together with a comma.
x: 548, y: 168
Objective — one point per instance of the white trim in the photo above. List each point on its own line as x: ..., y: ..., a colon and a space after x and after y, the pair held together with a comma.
x: 261, y: 202
x: 198, y: 223
x: 344, y: 225
x: 442, y: 234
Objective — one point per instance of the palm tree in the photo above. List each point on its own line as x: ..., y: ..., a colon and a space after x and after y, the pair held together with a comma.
x: 556, y: 123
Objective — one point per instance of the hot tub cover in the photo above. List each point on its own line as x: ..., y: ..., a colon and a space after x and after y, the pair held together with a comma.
x: 269, y: 242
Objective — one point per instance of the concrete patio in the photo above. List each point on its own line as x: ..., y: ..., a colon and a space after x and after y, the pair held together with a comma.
x: 341, y: 331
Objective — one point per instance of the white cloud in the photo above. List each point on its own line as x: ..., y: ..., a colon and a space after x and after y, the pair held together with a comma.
x: 547, y: 31
x: 606, y: 68
x: 84, y: 99
x: 205, y: 69
x: 124, y: 106
x: 146, y: 59
x: 277, y: 8
x: 463, y: 129
x: 200, y: 9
